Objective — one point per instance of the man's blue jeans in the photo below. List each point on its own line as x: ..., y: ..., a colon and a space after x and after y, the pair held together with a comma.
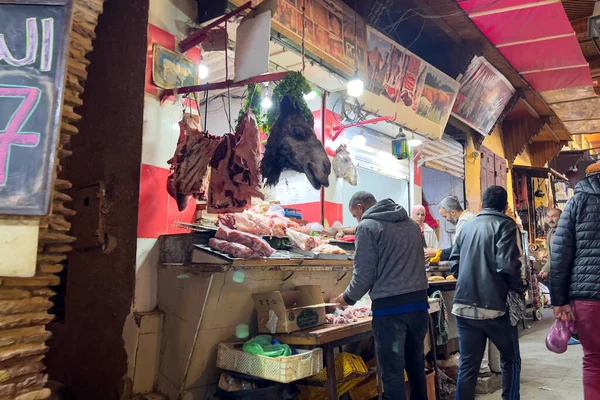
x: 399, y: 341
x: 472, y: 337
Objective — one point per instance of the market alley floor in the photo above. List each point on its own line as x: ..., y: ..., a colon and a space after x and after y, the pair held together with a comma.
x: 545, y: 375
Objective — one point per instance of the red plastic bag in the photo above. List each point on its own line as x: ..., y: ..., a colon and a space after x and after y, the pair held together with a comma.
x: 558, y: 337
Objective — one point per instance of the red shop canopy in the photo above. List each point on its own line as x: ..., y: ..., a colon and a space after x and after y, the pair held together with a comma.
x: 536, y: 38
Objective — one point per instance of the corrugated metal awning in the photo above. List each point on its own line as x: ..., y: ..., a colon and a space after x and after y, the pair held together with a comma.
x: 446, y: 155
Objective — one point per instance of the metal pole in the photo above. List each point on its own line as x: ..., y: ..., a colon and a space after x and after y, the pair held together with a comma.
x: 323, y: 125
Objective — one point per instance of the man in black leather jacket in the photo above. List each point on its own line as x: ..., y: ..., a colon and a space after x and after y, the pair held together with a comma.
x: 575, y: 273
x: 486, y: 260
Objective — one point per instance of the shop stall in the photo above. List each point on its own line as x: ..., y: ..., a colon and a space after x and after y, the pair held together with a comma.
x: 262, y: 236
x: 534, y: 193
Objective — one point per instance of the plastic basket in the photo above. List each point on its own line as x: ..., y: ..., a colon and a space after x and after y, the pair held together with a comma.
x: 281, y: 369
x: 320, y: 393
x: 368, y: 390
x: 346, y: 366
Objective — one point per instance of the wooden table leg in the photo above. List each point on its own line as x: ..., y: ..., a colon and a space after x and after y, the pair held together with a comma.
x: 433, y: 340
x: 331, y: 378
x: 378, y: 378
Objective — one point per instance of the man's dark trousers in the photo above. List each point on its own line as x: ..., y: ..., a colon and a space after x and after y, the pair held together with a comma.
x: 399, y: 341
x: 472, y: 336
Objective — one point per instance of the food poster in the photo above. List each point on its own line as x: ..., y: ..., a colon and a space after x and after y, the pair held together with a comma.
x: 420, y: 95
x: 328, y: 32
x: 484, y: 93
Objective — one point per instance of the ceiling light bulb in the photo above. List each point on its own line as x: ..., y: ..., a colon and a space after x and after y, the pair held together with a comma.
x: 266, y: 83
x: 310, y: 95
x: 356, y: 87
x: 266, y: 103
x: 202, y: 71
x: 359, y: 140
x: 414, y: 142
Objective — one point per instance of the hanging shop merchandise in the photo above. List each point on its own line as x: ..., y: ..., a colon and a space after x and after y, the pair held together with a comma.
x: 234, y: 176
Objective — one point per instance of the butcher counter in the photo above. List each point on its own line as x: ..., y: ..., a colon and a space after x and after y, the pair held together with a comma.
x: 207, y: 299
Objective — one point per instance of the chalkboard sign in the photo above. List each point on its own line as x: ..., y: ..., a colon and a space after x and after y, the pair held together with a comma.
x: 34, y: 37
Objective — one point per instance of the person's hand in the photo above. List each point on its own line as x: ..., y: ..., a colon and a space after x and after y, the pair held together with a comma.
x: 544, y: 275
x: 338, y: 300
x: 430, y: 253
x: 564, y: 313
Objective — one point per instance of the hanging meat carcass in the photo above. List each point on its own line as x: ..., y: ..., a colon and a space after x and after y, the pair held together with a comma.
x: 293, y: 145
x: 234, y: 178
x: 189, y: 164
x: 343, y: 167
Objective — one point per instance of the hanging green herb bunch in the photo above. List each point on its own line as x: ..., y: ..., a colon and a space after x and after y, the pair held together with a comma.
x: 253, y: 101
x: 295, y: 86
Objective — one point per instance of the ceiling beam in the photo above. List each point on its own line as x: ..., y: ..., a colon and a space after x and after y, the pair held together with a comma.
x: 554, y: 135
x: 529, y: 108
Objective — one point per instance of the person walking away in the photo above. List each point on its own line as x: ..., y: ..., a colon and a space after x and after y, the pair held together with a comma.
x: 389, y: 262
x: 575, y: 273
x: 418, y: 215
x: 486, y: 260
x: 451, y: 209
x: 553, y: 216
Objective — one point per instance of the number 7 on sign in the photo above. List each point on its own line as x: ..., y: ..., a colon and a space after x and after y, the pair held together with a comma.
x: 12, y: 134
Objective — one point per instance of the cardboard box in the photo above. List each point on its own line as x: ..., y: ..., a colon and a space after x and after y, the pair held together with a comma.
x: 290, y: 310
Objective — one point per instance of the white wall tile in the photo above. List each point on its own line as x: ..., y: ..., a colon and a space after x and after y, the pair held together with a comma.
x: 146, y: 272
x: 146, y: 366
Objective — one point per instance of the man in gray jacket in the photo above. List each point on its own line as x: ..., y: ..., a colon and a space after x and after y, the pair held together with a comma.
x: 389, y: 262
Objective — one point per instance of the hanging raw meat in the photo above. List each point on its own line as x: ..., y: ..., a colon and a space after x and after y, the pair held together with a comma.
x: 293, y: 145
x: 189, y: 164
x: 343, y: 166
x: 246, y: 158
x: 234, y: 178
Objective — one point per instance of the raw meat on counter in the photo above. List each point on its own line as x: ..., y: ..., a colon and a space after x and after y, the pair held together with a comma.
x: 343, y: 166
x: 301, y: 240
x: 253, y: 242
x: 328, y: 249
x: 251, y: 222
x: 235, y: 250
x: 349, y: 315
x: 260, y: 224
x: 189, y: 165
x: 227, y: 220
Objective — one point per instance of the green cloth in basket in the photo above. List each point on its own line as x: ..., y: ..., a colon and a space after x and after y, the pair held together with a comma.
x: 262, y: 345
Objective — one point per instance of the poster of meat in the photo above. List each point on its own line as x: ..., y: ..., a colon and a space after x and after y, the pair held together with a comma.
x: 328, y: 31
x: 421, y: 96
x: 484, y: 93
